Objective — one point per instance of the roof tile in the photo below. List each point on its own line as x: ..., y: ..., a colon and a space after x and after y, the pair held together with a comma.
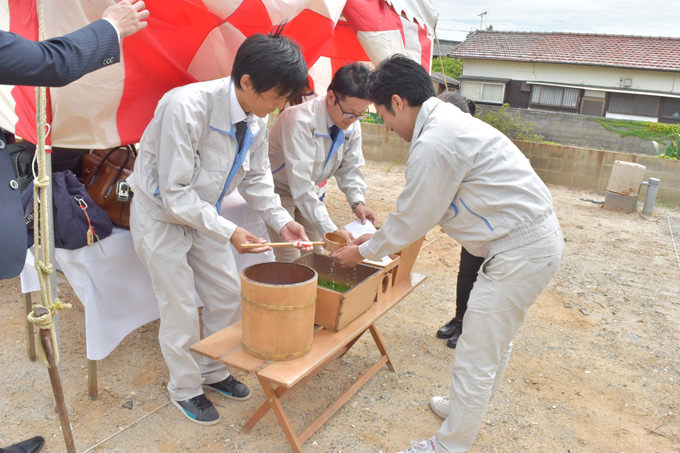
x: 623, y: 51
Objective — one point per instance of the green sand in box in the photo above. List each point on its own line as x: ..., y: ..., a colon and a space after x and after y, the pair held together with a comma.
x: 335, y: 286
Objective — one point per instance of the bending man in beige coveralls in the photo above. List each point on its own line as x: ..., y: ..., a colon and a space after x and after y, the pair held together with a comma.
x: 472, y: 180
x: 206, y: 140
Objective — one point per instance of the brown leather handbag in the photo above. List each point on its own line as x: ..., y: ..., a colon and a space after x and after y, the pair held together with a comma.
x: 102, y: 170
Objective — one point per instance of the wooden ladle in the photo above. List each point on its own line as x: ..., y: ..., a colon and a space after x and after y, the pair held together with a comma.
x: 331, y: 242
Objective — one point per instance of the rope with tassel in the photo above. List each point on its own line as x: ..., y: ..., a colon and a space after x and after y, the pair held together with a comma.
x: 43, y: 314
x: 43, y: 225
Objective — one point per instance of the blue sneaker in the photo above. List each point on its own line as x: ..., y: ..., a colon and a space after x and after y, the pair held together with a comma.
x: 198, y: 409
x: 231, y: 388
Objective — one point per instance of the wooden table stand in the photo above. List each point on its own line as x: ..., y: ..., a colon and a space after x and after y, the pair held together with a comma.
x: 279, y: 380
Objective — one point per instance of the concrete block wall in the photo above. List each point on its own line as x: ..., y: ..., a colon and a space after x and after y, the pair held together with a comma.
x: 381, y: 144
x: 571, y: 166
x: 578, y: 130
x: 589, y: 169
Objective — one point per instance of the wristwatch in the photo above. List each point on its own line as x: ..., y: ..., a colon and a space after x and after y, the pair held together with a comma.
x: 354, y: 205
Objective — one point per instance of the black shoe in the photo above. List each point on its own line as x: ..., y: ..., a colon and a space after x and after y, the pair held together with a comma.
x: 231, y: 388
x: 198, y: 409
x: 451, y: 328
x: 32, y: 445
x: 452, y: 342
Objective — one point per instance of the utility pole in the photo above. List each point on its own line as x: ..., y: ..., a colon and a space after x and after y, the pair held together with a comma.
x: 481, y: 18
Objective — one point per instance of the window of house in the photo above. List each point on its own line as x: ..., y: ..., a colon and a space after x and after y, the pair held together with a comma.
x: 633, y: 104
x: 554, y: 96
x: 490, y: 92
x: 592, y: 106
x: 671, y: 108
x: 592, y: 103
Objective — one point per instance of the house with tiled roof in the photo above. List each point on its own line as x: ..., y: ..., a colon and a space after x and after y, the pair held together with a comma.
x: 442, y: 82
x: 613, y: 76
x: 443, y: 47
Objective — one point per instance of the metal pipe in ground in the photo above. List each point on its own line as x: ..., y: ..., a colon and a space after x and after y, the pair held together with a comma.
x: 650, y: 197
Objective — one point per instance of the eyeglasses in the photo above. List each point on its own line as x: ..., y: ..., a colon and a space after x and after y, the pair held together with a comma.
x: 347, y: 115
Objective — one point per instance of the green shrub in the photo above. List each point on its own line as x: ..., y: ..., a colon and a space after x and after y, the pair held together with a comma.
x: 671, y: 150
x: 373, y: 118
x: 511, y: 124
x: 453, y: 67
x: 641, y: 129
x: 669, y: 129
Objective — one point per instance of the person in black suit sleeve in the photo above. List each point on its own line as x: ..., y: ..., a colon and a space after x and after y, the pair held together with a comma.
x: 59, y: 61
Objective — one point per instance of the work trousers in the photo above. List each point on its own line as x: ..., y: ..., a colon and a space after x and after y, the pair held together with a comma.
x: 289, y: 254
x: 185, y: 266
x: 507, y: 284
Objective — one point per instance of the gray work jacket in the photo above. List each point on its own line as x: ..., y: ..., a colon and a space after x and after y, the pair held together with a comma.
x: 299, y: 146
x: 470, y: 179
x: 185, y: 156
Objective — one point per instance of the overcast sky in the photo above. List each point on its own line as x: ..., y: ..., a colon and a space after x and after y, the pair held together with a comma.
x: 621, y: 17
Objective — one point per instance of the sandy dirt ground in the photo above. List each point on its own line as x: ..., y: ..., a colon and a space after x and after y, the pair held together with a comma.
x: 595, y: 367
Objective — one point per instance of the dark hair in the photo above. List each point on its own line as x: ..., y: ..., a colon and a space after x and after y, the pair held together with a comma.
x: 402, y: 76
x: 350, y: 80
x: 455, y: 98
x: 472, y: 107
x: 271, y: 61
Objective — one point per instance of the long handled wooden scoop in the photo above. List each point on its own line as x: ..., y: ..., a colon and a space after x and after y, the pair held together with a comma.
x: 331, y: 242
x: 282, y: 244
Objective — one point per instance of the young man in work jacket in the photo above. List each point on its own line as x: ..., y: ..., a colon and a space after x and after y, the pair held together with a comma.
x: 471, y: 180
x: 313, y: 141
x: 205, y: 140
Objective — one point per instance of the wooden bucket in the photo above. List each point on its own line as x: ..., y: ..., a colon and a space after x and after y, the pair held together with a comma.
x: 278, y: 303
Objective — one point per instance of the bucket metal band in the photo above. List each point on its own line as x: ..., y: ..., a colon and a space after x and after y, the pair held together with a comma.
x: 278, y: 307
x: 277, y: 355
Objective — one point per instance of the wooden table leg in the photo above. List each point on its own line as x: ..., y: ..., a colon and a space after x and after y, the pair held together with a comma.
x: 283, y: 393
x: 276, y: 396
x: 30, y: 335
x: 262, y: 410
x: 259, y: 413
x: 338, y: 403
x: 275, y: 403
x: 351, y: 343
x: 381, y: 346
x: 92, y: 379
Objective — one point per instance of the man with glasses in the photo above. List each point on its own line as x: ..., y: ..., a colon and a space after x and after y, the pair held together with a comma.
x: 313, y: 141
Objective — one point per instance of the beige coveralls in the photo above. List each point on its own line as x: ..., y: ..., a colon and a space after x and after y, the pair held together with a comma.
x: 473, y: 181
x: 185, y: 156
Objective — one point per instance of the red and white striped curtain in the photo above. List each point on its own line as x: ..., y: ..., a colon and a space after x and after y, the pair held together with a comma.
x: 191, y: 40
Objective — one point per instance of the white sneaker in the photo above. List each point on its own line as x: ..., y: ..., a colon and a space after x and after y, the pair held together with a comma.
x: 440, y: 406
x: 423, y: 446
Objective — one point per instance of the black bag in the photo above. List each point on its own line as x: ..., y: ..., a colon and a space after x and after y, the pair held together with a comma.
x: 13, y: 237
x: 21, y: 155
x: 70, y: 222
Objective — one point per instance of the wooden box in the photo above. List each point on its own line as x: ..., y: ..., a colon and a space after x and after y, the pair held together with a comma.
x: 336, y: 309
x: 407, y: 257
x: 399, y: 269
